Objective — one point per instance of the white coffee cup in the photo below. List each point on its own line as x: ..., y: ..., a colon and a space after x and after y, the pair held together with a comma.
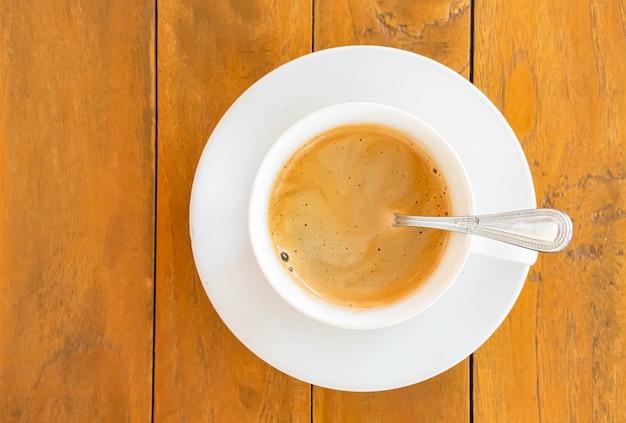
x: 454, y: 256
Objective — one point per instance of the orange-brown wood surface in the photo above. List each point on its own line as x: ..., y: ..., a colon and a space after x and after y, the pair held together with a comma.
x: 208, y: 54
x: 440, y: 30
x: 76, y: 211
x: 557, y: 71
x: 105, y: 108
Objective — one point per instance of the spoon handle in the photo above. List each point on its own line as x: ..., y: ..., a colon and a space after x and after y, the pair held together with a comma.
x: 545, y: 230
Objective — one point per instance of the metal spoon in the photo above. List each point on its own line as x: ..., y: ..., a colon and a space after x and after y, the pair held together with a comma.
x: 545, y: 230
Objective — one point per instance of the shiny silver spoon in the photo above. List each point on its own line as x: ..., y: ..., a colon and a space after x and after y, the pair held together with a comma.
x: 545, y: 230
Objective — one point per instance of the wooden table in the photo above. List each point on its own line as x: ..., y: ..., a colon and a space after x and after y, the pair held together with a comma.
x: 105, y: 108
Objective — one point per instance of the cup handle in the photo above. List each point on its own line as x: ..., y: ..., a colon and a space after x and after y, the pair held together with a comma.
x: 500, y: 250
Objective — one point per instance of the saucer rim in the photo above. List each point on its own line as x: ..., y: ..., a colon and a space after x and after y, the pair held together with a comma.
x: 250, y: 343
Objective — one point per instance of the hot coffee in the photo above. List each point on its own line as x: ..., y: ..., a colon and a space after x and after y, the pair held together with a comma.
x: 331, y: 213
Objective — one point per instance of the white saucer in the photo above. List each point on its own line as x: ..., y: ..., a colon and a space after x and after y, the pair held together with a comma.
x: 344, y: 359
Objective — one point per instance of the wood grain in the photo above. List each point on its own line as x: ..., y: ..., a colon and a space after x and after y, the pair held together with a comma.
x: 208, y: 54
x: 441, y: 30
x: 77, y: 203
x: 77, y: 211
x: 443, y: 398
x: 556, y: 70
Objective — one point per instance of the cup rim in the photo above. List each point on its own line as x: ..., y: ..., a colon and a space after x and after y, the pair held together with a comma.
x: 298, y: 134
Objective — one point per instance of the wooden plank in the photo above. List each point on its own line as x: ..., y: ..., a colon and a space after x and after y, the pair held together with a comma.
x: 441, y: 30
x: 77, y: 210
x: 556, y: 69
x: 444, y: 398
x: 208, y: 54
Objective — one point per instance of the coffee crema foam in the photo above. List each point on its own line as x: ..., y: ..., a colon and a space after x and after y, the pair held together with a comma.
x: 331, y: 215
